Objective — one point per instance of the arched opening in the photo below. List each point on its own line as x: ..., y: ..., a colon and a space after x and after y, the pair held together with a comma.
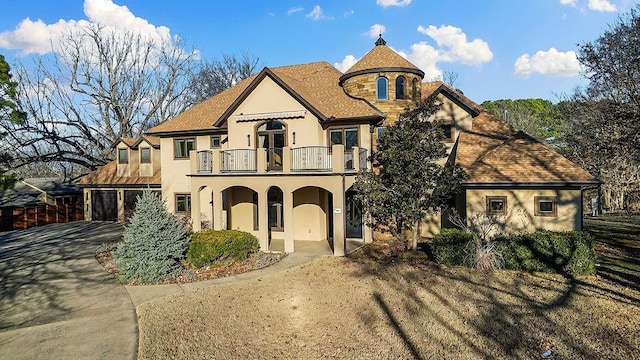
x: 240, y: 209
x: 382, y: 88
x: 206, y: 207
x: 400, y: 90
x: 271, y: 135
x: 275, y: 218
x: 313, y: 225
x: 353, y: 216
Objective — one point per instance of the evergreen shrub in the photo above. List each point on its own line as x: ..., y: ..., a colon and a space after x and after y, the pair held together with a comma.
x: 154, y: 243
x: 209, y: 246
x: 571, y: 252
x: 454, y: 247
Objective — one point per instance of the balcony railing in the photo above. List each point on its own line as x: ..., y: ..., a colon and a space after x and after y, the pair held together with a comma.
x: 205, y: 162
x: 311, y: 158
x: 238, y: 160
x: 281, y: 160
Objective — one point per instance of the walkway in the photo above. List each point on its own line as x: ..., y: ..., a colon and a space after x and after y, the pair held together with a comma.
x: 57, y: 302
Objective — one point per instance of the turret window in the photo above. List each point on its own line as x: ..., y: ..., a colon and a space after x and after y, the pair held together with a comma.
x: 382, y: 88
x: 400, y: 91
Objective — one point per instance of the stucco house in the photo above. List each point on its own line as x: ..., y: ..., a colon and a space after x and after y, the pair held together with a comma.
x: 277, y: 155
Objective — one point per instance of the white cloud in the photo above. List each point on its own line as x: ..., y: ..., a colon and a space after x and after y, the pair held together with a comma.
x: 551, y: 63
x: 348, y: 13
x: 316, y: 13
x: 346, y: 63
x: 454, y: 46
x: 569, y: 2
x: 602, y: 5
x: 294, y: 10
x: 376, y: 30
x: 385, y: 3
x: 36, y: 37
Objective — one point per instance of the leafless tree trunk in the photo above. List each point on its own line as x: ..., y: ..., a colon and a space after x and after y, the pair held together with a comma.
x: 97, y: 86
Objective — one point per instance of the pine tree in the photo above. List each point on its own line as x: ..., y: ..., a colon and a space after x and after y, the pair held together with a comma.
x: 154, y: 242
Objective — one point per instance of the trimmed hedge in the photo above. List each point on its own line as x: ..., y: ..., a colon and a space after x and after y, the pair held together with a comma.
x: 209, y: 246
x: 453, y: 247
x: 571, y: 252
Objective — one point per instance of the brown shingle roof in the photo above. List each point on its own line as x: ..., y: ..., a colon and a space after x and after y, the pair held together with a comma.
x: 429, y: 88
x: 493, y: 152
x: 107, y: 175
x: 381, y: 57
x: 130, y: 142
x: 314, y: 84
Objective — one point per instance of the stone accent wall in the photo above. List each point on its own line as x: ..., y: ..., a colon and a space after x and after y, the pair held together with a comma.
x: 364, y: 87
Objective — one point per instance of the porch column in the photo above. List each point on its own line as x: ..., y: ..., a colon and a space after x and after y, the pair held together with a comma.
x: 368, y: 231
x: 217, y: 210
x: 196, y: 225
x: 338, y: 223
x: 288, y: 220
x: 263, y: 221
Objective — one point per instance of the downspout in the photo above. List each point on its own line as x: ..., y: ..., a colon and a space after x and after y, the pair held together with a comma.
x: 344, y: 216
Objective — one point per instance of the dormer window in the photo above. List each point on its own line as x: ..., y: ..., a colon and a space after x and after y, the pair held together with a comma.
x: 123, y: 156
x: 448, y: 131
x: 400, y: 91
x: 382, y: 88
x: 145, y: 155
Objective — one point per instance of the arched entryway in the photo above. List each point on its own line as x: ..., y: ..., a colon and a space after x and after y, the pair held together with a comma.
x: 313, y: 220
x: 353, y: 216
x: 275, y: 216
x: 240, y: 209
x: 272, y: 136
x: 206, y: 207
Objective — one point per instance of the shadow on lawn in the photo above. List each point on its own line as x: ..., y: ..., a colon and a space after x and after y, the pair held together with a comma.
x: 440, y: 311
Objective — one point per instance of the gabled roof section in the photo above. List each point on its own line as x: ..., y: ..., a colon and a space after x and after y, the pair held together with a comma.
x: 154, y: 141
x: 108, y: 176
x: 130, y: 142
x: 438, y: 87
x: 494, y: 153
x: 314, y: 85
x: 381, y: 58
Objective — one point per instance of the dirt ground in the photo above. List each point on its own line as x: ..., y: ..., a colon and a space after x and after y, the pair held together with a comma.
x: 358, y: 308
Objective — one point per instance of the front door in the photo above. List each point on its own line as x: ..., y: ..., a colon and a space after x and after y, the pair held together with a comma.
x: 353, y: 216
x: 271, y: 136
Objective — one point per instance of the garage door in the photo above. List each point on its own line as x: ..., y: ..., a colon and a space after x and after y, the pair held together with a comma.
x: 104, y: 205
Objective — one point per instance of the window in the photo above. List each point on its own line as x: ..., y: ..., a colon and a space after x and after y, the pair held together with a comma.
x: 400, y: 87
x: 183, y: 203
x: 123, y: 156
x: 215, y: 141
x: 181, y: 147
x: 496, y: 205
x: 347, y: 137
x: 381, y: 130
x: 382, y: 87
x: 448, y: 131
x: 546, y: 205
x: 145, y: 155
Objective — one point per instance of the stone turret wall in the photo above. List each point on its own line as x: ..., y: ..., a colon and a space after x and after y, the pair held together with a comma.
x: 364, y: 87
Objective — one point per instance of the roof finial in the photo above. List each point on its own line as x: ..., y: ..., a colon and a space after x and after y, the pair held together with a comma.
x: 380, y: 41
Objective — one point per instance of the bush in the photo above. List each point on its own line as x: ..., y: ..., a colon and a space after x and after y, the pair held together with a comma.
x: 571, y: 252
x: 154, y: 243
x: 209, y: 246
x: 454, y: 247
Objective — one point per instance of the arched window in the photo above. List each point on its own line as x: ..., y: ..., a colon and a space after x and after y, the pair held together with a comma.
x: 382, y: 88
x: 414, y: 89
x: 400, y: 88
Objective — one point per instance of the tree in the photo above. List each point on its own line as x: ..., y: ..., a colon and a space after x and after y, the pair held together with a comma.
x: 9, y: 112
x: 409, y: 179
x: 97, y: 86
x: 154, y: 242
x: 604, y: 117
x: 218, y: 75
x: 538, y: 118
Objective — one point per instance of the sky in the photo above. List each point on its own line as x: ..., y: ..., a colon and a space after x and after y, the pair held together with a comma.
x: 498, y: 49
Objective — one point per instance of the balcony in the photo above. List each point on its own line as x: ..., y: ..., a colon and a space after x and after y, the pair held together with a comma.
x: 307, y: 159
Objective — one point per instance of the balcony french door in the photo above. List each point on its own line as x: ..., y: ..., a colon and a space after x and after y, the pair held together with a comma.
x: 271, y: 136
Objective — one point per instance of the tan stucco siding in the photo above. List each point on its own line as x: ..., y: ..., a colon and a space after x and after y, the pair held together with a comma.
x: 241, y: 210
x: 520, y: 212
x: 174, y: 179
x: 309, y: 214
x: 269, y: 97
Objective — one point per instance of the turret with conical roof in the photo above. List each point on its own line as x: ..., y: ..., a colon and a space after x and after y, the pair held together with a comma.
x: 385, y: 79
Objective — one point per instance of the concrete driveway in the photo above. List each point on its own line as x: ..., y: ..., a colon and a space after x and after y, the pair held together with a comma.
x: 57, y: 302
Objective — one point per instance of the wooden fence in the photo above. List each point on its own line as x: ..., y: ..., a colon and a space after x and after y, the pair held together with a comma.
x: 16, y: 218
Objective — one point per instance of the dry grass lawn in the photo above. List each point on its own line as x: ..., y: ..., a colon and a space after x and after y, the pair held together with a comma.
x: 345, y: 308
